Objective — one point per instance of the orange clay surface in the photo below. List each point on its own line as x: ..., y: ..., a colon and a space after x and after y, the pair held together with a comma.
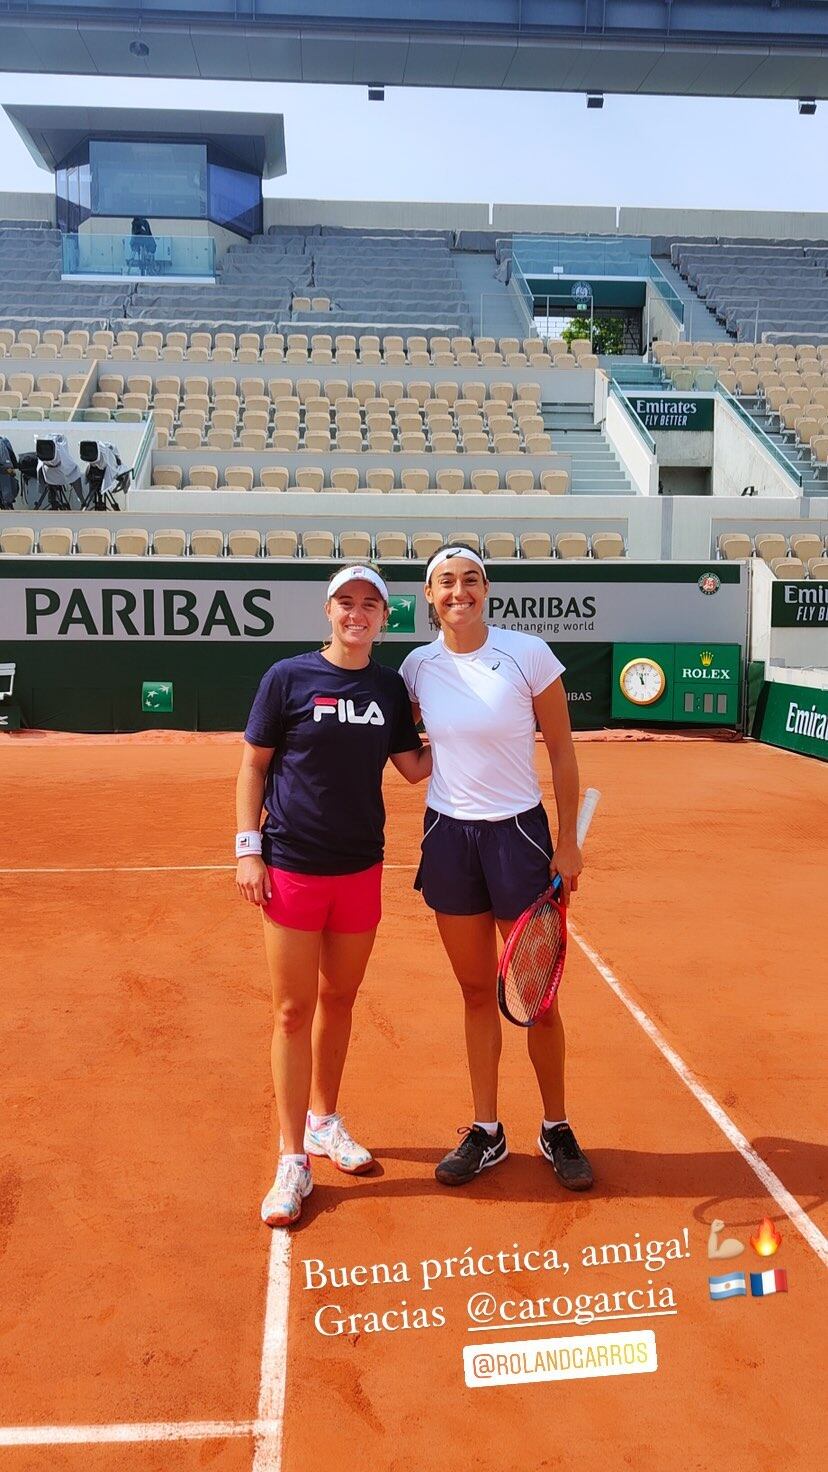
x: 139, y: 1132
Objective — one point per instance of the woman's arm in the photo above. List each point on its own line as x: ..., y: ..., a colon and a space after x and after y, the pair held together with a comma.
x: 252, y: 879
x: 552, y: 712
x: 413, y: 765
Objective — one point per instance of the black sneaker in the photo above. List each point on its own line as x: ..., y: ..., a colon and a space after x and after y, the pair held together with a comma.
x: 476, y: 1152
x: 562, y: 1150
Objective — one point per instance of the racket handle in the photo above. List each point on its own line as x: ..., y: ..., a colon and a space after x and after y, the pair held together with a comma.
x: 592, y: 797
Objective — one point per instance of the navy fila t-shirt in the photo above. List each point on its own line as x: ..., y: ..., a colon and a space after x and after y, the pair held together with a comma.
x: 333, y: 731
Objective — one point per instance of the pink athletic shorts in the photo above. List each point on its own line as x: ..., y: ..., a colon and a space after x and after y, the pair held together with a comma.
x: 345, y: 903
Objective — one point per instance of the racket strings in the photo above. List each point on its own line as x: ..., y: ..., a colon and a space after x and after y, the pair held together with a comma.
x: 537, y: 954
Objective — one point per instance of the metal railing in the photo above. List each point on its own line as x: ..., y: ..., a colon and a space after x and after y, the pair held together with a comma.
x: 756, y: 429
x: 635, y: 419
x: 128, y: 256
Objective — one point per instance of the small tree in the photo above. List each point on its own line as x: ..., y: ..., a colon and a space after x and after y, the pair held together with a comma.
x: 607, y: 334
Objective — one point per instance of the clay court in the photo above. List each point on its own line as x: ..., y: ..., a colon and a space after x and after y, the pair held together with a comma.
x: 150, y: 1323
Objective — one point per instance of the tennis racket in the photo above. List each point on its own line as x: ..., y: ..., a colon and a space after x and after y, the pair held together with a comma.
x: 532, y: 961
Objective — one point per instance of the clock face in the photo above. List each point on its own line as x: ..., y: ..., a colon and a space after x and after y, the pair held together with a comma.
x: 643, y: 681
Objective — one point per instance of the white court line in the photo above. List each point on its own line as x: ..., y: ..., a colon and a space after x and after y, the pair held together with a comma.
x: 768, y: 1178
x: 273, y: 1370
x: 127, y: 1431
x: 146, y: 869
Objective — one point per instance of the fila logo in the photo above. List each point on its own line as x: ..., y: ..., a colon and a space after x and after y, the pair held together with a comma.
x: 328, y: 705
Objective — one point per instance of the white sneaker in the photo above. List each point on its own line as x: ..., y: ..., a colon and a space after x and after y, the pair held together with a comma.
x: 283, y: 1202
x: 333, y: 1140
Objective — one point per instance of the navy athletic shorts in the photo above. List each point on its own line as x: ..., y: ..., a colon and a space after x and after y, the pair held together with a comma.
x: 469, y: 868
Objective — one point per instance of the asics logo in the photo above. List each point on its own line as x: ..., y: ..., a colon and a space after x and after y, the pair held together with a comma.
x: 328, y: 705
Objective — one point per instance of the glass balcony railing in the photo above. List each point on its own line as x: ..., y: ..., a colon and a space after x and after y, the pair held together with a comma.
x: 568, y: 256
x: 541, y: 255
x: 129, y: 256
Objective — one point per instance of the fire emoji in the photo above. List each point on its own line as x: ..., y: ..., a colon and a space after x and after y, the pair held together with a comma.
x: 767, y: 1239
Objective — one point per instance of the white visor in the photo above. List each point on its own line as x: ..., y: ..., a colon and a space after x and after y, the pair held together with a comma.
x: 349, y: 574
x: 446, y: 553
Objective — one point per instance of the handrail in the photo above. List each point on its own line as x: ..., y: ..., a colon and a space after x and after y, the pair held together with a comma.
x: 637, y: 421
x: 519, y: 287
x: 767, y: 443
x: 668, y: 293
x: 145, y: 447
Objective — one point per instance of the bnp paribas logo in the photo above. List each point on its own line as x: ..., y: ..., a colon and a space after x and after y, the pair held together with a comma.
x: 706, y: 658
x: 402, y: 612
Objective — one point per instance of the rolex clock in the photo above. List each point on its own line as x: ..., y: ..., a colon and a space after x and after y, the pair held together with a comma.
x: 642, y: 682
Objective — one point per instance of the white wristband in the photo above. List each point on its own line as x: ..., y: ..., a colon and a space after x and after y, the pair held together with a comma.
x: 248, y: 843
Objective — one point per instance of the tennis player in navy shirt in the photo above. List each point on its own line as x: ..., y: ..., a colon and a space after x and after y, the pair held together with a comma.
x: 320, y: 731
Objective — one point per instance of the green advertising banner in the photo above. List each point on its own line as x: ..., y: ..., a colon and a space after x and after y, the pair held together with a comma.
x: 794, y: 717
x: 673, y: 411
x: 799, y: 605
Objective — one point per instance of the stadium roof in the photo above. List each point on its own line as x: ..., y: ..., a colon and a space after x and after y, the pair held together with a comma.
x: 696, y: 48
x: 256, y: 140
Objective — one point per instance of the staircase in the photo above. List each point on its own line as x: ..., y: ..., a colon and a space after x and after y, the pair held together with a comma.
x: 812, y: 483
x: 700, y: 325
x: 596, y: 469
x: 491, y: 303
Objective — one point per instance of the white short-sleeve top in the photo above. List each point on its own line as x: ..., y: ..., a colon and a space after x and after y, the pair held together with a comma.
x: 477, y: 710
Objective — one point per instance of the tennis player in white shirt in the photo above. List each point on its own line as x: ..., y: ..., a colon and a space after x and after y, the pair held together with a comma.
x: 487, y: 851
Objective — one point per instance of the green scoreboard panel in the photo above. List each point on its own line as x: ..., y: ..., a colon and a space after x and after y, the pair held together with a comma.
x: 687, y: 684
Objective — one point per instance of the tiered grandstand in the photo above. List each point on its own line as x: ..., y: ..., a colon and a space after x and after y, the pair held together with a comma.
x: 328, y: 364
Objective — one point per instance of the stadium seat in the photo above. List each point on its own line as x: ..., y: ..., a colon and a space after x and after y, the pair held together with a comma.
x: 56, y: 541
x: 521, y: 482
x: 94, y: 541
x: 554, y: 482
x: 18, y: 541
x: 536, y: 544
x: 355, y: 544
x: 464, y: 539
x: 788, y: 568
x: 607, y: 544
x: 770, y: 546
x: 281, y: 544
x: 392, y: 544
x: 451, y: 481
x: 735, y: 546
x: 485, y: 481
x: 132, y: 542
x: 245, y: 542
x: 310, y: 478
x: 171, y: 542
x: 425, y: 544
x: 318, y: 544
x: 346, y: 479
x: 209, y: 543
x: 240, y: 477
x: 414, y: 480
x: 818, y: 568
x: 203, y: 477
x: 806, y: 546
x: 571, y: 544
x: 380, y: 480
x: 499, y: 544
x: 274, y: 478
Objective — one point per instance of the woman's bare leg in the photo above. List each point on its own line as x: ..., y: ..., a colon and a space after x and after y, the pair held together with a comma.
x: 471, y: 946
x: 546, y: 1043
x: 293, y: 963
x: 342, y: 966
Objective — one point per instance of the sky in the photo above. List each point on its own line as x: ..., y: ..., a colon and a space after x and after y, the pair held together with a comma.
x: 488, y: 147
